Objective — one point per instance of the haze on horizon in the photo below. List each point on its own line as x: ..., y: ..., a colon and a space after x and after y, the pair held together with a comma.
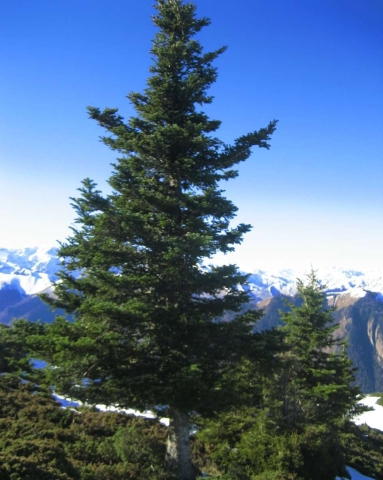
x: 315, y: 198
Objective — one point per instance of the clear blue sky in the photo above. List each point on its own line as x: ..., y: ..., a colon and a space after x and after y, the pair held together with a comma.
x: 315, y: 198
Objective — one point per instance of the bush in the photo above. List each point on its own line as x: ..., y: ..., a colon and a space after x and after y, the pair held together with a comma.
x: 41, y: 441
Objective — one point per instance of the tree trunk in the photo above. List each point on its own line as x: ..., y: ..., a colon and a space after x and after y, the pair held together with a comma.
x: 178, y: 445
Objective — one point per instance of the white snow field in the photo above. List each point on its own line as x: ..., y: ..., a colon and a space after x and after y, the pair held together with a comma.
x: 373, y: 419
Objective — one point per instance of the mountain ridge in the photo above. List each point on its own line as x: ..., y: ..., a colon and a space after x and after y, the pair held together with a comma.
x: 33, y: 269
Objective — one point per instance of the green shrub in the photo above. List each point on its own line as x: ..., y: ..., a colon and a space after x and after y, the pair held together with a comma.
x: 41, y: 441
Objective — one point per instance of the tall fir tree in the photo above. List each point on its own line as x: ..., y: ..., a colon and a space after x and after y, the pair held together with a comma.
x: 146, y: 333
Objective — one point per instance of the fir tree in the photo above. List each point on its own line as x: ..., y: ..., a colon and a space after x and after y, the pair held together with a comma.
x: 319, y: 375
x: 317, y: 382
x: 146, y: 333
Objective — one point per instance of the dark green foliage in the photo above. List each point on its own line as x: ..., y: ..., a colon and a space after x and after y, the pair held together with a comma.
x: 358, y: 323
x: 295, y: 423
x: 145, y: 331
x: 245, y: 444
x: 29, y: 448
x: 144, y: 307
x: 250, y: 444
x: 316, y: 386
x: 14, y: 356
x: 363, y: 448
x: 317, y: 383
x: 12, y: 352
x: 41, y: 441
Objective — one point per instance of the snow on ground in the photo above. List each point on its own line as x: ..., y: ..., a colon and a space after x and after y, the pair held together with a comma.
x: 374, y: 419
x: 67, y: 402
x: 130, y: 411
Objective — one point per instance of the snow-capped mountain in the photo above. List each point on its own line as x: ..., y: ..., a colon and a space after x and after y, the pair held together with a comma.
x: 31, y: 270
x: 337, y: 280
x: 28, y: 270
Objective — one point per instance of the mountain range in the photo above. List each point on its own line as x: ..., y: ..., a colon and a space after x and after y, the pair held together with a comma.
x: 357, y: 297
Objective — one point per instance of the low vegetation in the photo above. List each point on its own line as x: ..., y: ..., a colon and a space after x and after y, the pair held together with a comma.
x: 41, y: 440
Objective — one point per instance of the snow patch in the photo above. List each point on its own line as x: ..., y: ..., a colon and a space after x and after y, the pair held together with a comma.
x: 374, y: 418
x: 68, y: 402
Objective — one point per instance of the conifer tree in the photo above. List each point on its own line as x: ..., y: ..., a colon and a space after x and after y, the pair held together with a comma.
x: 319, y: 375
x: 146, y: 331
x: 317, y: 385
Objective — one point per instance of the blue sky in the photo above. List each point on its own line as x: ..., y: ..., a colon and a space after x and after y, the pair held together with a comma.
x: 316, y: 197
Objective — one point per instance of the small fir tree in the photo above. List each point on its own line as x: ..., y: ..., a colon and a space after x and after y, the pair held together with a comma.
x: 317, y: 383
x: 319, y: 377
x: 146, y: 333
